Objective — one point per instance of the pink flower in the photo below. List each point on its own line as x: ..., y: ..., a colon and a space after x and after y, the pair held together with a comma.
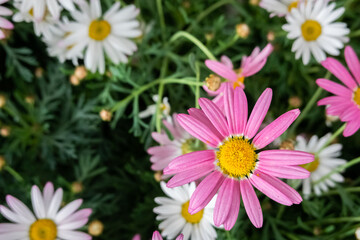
x: 249, y: 66
x: 4, y: 23
x: 236, y: 162
x: 136, y: 237
x: 157, y: 236
x: 169, y: 149
x: 49, y: 220
x: 346, y: 103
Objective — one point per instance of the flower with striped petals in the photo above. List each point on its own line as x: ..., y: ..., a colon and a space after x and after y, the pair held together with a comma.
x: 156, y: 236
x: 346, y: 102
x: 49, y: 222
x: 250, y: 65
x: 173, y: 212
x: 236, y: 163
x: 4, y: 23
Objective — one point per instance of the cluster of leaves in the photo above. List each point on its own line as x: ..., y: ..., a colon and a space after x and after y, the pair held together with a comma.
x: 57, y: 135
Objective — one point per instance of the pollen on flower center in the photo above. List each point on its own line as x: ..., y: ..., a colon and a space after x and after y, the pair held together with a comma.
x: 292, y: 5
x: 356, y: 97
x: 311, y: 167
x: 192, y: 145
x: 311, y: 30
x: 237, y: 157
x: 99, y: 30
x: 43, y: 229
x: 195, y: 218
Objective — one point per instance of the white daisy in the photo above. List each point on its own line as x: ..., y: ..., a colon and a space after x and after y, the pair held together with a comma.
x: 98, y: 33
x: 173, y: 212
x: 279, y: 7
x: 151, y: 109
x: 325, y: 161
x: 49, y: 222
x: 312, y: 25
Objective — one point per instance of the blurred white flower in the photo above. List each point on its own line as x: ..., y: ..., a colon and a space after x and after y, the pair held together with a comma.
x: 151, y: 109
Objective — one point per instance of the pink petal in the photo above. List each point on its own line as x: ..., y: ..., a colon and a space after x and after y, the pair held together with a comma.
x: 289, y: 172
x: 349, y: 114
x: 161, y: 138
x: 180, y: 237
x: 284, y: 157
x: 258, y: 113
x: 4, y: 23
x: 234, y: 207
x: 251, y: 203
x: 351, y: 128
x: 215, y: 116
x: 229, y: 109
x: 334, y: 88
x: 19, y: 208
x: 240, y: 110
x: 174, y: 132
x: 336, y: 68
x: 186, y: 161
x: 353, y: 62
x: 198, y: 129
x: 269, y: 190
x: 200, y: 115
x: 330, y: 100
x: 190, y: 175
x: 257, y: 61
x: 205, y: 191
x: 288, y: 191
x: 275, y: 129
x: 221, y: 70
x: 226, y: 61
x: 223, y: 201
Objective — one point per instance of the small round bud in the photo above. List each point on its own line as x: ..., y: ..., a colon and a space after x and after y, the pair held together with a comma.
x: 105, y: 115
x: 186, y: 4
x: 77, y: 187
x: 74, y: 80
x: 209, y: 36
x: 2, y: 162
x: 270, y: 36
x: 108, y: 74
x: 295, y: 101
x: 5, y: 131
x: 242, y: 30
x: 96, y: 228
x: 287, y: 144
x: 30, y: 100
x: 80, y: 72
x: 2, y: 100
x: 254, y: 2
x: 39, y: 72
x: 213, y: 82
x: 158, y: 176
x: 317, y: 231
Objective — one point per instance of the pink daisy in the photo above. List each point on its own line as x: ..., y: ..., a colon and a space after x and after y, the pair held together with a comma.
x: 346, y: 102
x: 236, y: 162
x: 157, y: 236
x: 169, y: 149
x: 4, y: 23
x: 49, y: 222
x: 236, y: 77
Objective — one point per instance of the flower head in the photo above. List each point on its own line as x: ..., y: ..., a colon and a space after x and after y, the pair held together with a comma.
x: 237, y: 163
x: 4, y: 23
x: 236, y: 77
x: 173, y: 212
x: 151, y: 109
x: 49, y: 222
x: 312, y: 25
x: 346, y: 102
x: 279, y: 7
x: 102, y: 34
x: 326, y: 159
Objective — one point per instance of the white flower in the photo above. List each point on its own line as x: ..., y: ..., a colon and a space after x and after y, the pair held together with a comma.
x: 312, y: 25
x: 49, y: 222
x: 279, y: 7
x: 173, y: 212
x: 325, y: 161
x: 99, y: 34
x: 151, y: 109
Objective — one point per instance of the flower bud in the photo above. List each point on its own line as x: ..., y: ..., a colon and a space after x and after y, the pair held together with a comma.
x: 96, y: 228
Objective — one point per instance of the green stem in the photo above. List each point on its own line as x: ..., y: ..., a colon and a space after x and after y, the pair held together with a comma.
x: 158, y: 115
x: 194, y: 40
x: 15, y: 174
x: 229, y: 44
x: 331, y: 139
x: 228, y: 235
x: 197, y: 90
x: 334, y: 220
x: 355, y: 34
x: 334, y: 192
x: 162, y: 19
x: 308, y: 107
x: 339, y: 169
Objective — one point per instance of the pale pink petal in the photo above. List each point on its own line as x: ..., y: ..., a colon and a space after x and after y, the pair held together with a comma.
x: 11, y: 227
x: 251, y: 203
x: 215, y: 116
x: 4, y: 23
x: 275, y: 129
x: 353, y: 62
x: 156, y: 236
x: 334, y: 88
x: 284, y: 157
x: 205, y: 191
x: 19, y: 208
x: 288, y: 191
x: 226, y: 61
x: 48, y: 193
x: 230, y: 109
x: 68, y: 234
x: 269, y: 190
x: 221, y: 69
x: 351, y: 128
x: 257, y: 61
x: 38, y: 202
x: 5, y: 11
x: 73, y: 225
x: 77, y: 216
x: 190, y: 175
x: 185, y: 161
x: 55, y: 203
x: 161, y: 138
x: 68, y: 210
x: 240, y: 110
x: 162, y: 151
x: 289, y: 172
x: 258, y: 113
x: 336, y: 68
x: 180, y: 237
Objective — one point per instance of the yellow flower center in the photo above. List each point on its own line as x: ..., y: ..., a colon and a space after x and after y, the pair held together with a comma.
x: 237, y: 157
x: 195, y: 218
x: 43, y: 229
x: 292, y: 5
x: 356, y: 97
x: 311, y: 30
x: 192, y: 145
x: 99, y: 30
x: 311, y: 167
